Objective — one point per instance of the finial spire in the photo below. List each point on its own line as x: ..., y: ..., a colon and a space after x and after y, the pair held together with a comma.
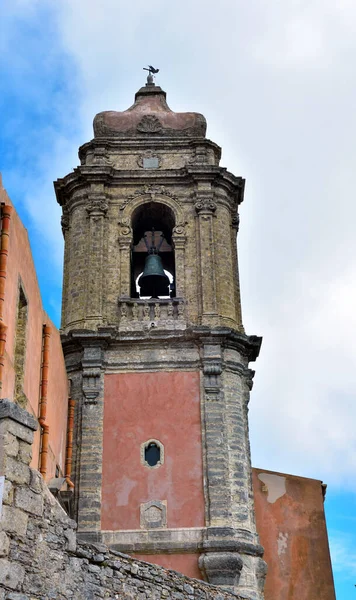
x: 151, y: 71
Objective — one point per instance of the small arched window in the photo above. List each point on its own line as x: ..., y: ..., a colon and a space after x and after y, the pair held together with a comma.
x: 152, y: 454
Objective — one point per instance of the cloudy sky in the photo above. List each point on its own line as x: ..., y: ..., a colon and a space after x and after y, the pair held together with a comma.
x: 276, y: 82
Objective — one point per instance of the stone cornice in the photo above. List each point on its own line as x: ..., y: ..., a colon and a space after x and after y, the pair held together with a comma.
x: 185, y: 540
x: 248, y: 346
x: 164, y: 144
x: 84, y: 176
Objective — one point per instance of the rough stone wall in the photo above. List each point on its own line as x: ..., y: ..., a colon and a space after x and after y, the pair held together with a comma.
x: 40, y: 555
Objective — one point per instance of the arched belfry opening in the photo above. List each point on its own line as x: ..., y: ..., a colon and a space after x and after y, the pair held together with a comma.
x: 152, y: 256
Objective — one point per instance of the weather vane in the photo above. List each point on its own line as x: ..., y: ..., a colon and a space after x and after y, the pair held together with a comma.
x: 151, y: 71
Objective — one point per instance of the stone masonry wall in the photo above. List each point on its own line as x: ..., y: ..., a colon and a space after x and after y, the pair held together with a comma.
x: 40, y: 556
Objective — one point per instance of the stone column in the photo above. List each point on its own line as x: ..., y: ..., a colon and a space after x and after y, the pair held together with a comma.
x: 205, y: 209
x: 97, y: 207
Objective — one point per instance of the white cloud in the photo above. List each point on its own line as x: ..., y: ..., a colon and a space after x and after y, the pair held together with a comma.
x: 343, y: 555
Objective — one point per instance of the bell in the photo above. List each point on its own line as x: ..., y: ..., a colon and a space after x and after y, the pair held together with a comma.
x: 153, y: 281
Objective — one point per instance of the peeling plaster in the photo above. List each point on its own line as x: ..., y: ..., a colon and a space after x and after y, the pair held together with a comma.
x: 282, y: 542
x: 275, y: 486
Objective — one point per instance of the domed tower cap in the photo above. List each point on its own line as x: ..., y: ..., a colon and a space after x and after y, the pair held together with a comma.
x: 150, y: 116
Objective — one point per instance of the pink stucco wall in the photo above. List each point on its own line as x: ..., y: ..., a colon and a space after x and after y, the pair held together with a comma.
x: 137, y: 407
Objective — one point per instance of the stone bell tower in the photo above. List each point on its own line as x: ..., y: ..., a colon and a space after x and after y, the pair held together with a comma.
x: 160, y: 379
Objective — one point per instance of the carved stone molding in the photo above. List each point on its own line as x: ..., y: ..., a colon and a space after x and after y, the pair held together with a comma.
x: 125, y: 226
x: 148, y: 190
x: 138, y: 313
x: 91, y: 385
x: 153, y: 514
x: 221, y: 568
x: 235, y: 222
x: 179, y: 229
x: 146, y: 156
x: 206, y: 207
x: 91, y: 365
x: 100, y: 156
x: 200, y: 156
x: 249, y: 375
x: 212, y: 380
x: 65, y: 221
x: 97, y: 205
x: 149, y: 124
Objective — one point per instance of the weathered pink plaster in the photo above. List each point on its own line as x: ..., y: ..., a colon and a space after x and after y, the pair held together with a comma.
x: 137, y: 407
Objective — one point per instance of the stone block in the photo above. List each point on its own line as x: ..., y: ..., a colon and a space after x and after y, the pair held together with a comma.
x: 25, y: 452
x: 9, y: 411
x: 4, y: 544
x: 71, y: 540
x: 11, y: 574
x: 36, y: 481
x: 14, y: 520
x: 10, y: 444
x: 19, y: 431
x: 8, y: 496
x: 16, y: 471
x: 29, y: 501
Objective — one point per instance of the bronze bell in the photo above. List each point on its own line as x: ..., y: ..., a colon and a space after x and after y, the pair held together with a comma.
x: 153, y: 281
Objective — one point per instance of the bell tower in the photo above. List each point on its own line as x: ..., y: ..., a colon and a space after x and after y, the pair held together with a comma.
x: 155, y: 347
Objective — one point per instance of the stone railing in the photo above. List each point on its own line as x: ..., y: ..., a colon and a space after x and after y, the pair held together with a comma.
x: 165, y: 313
x: 40, y: 555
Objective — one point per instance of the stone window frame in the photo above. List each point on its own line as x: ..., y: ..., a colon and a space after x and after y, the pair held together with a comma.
x: 142, y: 452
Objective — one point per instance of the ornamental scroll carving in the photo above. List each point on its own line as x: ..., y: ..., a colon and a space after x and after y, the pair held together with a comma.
x: 148, y: 190
x: 97, y: 205
x: 206, y: 207
x: 179, y: 229
x: 150, y: 124
x: 235, y: 222
x: 125, y: 226
x: 65, y: 222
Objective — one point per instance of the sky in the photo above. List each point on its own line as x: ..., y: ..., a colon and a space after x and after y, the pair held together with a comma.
x: 276, y: 81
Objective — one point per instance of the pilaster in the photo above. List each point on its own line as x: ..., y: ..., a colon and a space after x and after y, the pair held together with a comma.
x: 205, y: 208
x: 91, y: 442
x: 97, y: 207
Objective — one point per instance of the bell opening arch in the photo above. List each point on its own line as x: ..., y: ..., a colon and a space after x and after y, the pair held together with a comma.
x: 152, y: 253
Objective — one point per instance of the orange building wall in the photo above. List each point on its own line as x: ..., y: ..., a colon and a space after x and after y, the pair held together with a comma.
x: 137, y: 407
x: 20, y: 266
x: 291, y: 524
